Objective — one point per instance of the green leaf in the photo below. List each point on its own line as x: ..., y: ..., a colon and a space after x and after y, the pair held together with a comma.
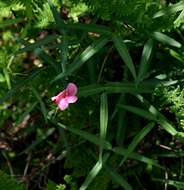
x: 20, y: 84
x: 10, y: 22
x: 77, y: 26
x: 8, y: 183
x: 103, y: 122
x: 145, y: 59
x: 136, y: 156
x: 83, y: 57
x: 141, y: 112
x: 166, y: 39
x: 88, y: 28
x: 142, y: 133
x: 103, y: 116
x: 119, y: 179
x: 177, y: 184
x: 170, y: 10
x: 38, y: 44
x: 152, y: 114
x: 93, y: 173
x: 117, y: 87
x: 90, y: 137
x: 123, y: 52
x: 42, y: 104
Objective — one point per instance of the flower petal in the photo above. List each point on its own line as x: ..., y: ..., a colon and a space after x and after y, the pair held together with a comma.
x: 71, y: 99
x: 63, y: 104
x: 71, y: 89
x: 58, y: 97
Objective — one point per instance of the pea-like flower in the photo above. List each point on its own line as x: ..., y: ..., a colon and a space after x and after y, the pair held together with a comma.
x: 67, y: 96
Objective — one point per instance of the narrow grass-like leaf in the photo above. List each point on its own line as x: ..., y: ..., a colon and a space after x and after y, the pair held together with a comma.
x: 171, y: 155
x: 170, y: 10
x: 179, y: 18
x: 119, y: 179
x: 177, y: 184
x: 117, y: 87
x: 83, y: 57
x: 154, y: 116
x: 19, y: 85
x: 103, y: 121
x: 38, y: 44
x: 145, y: 59
x: 93, y: 173
x: 136, y: 156
x: 87, y: 28
x: 160, y: 117
x: 90, y: 137
x: 141, y: 112
x: 7, y: 78
x: 64, y: 52
x: 123, y: 52
x: 142, y: 133
x: 42, y: 104
x: 103, y: 116
x: 167, y: 126
x: 56, y: 14
x: 10, y: 22
x: 77, y: 26
x: 166, y: 39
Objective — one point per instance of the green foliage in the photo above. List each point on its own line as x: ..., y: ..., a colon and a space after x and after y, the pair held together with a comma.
x: 9, y: 183
x: 117, y: 53
x: 172, y: 100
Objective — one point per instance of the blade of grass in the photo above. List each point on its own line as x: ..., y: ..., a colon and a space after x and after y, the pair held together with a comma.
x: 142, y: 133
x: 77, y: 26
x: 83, y: 57
x: 119, y: 179
x: 123, y: 52
x: 103, y: 122
x: 136, y: 156
x: 20, y: 84
x: 93, y: 173
x: 181, y: 15
x: 141, y: 112
x: 90, y: 137
x: 166, y: 39
x: 170, y: 10
x: 64, y: 52
x: 7, y: 78
x: 160, y: 117
x: 116, y: 87
x: 38, y: 44
x: 42, y: 104
x: 177, y: 184
x: 10, y: 22
x: 154, y: 116
x: 88, y: 28
x: 145, y: 59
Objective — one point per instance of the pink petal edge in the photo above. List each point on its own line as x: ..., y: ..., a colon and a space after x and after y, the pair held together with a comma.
x: 63, y: 104
x: 71, y: 89
x: 71, y: 99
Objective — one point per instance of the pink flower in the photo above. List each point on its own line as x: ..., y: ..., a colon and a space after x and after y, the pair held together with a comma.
x: 67, y: 96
